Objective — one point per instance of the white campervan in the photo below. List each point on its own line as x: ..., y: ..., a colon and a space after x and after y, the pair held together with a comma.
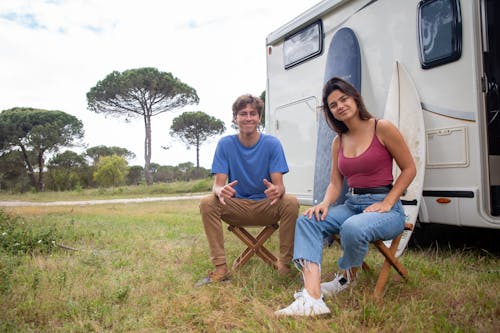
x: 451, y: 50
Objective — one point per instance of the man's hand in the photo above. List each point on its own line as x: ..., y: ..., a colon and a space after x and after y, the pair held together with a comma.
x: 272, y: 192
x: 227, y: 191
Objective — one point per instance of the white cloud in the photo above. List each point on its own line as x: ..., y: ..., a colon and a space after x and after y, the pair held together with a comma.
x: 53, y: 52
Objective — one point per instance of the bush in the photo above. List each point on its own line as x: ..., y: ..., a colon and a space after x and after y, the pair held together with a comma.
x: 19, y: 238
x: 204, y: 185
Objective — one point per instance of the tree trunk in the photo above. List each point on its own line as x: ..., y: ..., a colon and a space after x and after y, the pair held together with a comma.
x: 198, y: 153
x: 147, y: 149
x: 31, y: 172
x: 40, y: 184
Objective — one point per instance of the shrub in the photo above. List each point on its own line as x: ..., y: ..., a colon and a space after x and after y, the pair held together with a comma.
x: 20, y: 238
x: 204, y: 185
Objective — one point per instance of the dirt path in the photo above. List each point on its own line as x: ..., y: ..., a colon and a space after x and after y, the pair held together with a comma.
x: 96, y: 202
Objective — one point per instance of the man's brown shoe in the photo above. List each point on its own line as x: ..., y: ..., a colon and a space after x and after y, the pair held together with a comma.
x: 213, y: 277
x: 283, y: 269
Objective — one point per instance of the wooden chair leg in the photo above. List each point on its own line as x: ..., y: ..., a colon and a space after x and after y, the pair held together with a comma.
x: 389, y: 254
x: 255, y: 245
x: 390, y: 261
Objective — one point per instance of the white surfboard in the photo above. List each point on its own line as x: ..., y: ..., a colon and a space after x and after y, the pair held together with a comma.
x: 403, y: 109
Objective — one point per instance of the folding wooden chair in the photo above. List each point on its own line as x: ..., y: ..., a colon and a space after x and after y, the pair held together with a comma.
x: 390, y: 261
x: 255, y: 245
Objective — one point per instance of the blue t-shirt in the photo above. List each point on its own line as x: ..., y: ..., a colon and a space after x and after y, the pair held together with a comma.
x: 249, y: 165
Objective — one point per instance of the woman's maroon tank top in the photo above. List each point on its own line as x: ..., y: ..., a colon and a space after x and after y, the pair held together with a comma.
x: 372, y: 168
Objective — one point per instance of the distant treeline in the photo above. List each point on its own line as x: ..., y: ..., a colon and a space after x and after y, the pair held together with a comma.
x: 99, y: 166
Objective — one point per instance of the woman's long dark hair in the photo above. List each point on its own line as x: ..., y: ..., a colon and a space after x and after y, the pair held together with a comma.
x: 339, y: 84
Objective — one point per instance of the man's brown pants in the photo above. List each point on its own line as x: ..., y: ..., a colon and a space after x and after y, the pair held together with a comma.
x: 246, y: 212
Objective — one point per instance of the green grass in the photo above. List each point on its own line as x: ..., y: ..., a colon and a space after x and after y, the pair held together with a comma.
x: 155, y: 190
x: 133, y: 267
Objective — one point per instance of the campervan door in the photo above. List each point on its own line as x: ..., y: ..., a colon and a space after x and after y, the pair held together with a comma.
x: 450, y: 48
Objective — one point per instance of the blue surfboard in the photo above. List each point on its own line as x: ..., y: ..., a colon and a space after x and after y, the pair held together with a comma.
x: 344, y: 61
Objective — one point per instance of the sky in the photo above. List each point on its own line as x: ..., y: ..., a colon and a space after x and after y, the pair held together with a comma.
x: 52, y: 52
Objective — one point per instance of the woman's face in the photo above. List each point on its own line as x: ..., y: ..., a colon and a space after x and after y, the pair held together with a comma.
x: 341, y: 105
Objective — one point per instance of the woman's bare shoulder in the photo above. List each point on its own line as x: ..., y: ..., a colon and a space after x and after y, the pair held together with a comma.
x: 385, y: 124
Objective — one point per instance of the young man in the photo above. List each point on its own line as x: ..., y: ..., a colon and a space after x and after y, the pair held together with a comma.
x: 248, y: 188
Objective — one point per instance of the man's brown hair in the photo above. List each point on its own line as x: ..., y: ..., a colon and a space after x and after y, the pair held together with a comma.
x: 246, y: 99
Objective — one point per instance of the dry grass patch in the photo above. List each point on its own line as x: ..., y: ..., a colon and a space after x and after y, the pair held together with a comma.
x: 135, y: 265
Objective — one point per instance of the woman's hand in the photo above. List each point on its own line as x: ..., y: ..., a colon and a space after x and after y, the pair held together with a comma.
x: 319, y: 211
x: 380, y: 207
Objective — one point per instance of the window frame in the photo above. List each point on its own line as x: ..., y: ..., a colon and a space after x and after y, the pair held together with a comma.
x: 310, y: 55
x: 456, y: 35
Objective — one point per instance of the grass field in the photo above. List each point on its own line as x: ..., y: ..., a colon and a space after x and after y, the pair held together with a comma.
x: 155, y: 190
x: 132, y: 268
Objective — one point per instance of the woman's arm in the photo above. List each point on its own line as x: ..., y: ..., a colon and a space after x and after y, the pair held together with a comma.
x: 334, y: 187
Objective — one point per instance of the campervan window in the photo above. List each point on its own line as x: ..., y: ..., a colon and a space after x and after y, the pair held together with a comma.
x: 303, y: 45
x: 440, y: 32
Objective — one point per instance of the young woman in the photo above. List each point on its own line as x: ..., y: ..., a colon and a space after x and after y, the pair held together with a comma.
x: 363, y: 151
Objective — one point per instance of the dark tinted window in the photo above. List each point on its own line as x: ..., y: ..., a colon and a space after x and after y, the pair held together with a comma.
x: 303, y: 45
x: 440, y: 32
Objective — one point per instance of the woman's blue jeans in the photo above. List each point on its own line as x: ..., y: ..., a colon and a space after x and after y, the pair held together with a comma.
x: 356, y: 229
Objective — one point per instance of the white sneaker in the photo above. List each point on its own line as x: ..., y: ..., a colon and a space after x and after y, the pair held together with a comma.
x: 338, y: 284
x: 304, y: 305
